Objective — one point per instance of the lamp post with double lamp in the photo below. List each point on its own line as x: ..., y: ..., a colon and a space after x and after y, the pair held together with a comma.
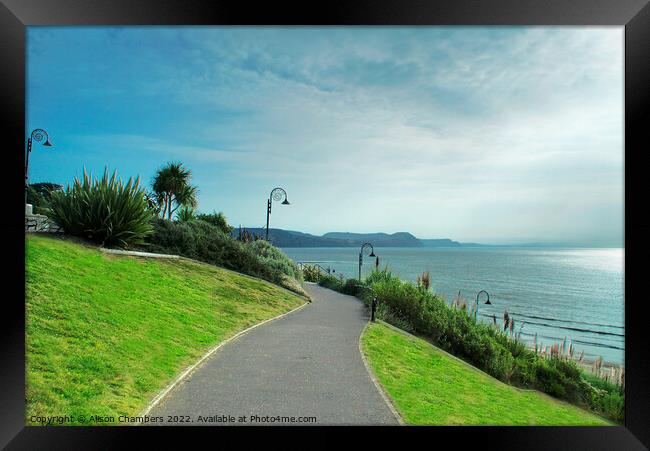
x: 277, y: 194
x: 38, y: 135
x: 372, y: 254
x: 486, y: 302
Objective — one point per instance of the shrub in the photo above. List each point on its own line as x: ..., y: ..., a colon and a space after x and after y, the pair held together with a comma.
x: 311, y: 273
x: 105, y: 211
x: 353, y: 287
x: 607, y: 397
x: 39, y: 195
x: 216, y: 219
x: 185, y: 214
x: 275, y: 257
x: 330, y: 282
x: 379, y: 275
x: 205, y: 242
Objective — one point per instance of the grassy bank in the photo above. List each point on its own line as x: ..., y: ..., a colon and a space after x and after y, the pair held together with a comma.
x: 428, y: 387
x: 105, y: 333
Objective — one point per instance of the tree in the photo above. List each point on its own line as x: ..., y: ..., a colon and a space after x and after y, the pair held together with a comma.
x: 216, y: 219
x: 153, y: 205
x: 172, y: 189
x: 39, y: 195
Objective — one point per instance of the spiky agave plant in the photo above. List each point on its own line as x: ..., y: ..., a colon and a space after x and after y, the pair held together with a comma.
x: 106, y: 211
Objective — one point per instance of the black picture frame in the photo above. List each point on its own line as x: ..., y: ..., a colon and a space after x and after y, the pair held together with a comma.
x: 634, y: 15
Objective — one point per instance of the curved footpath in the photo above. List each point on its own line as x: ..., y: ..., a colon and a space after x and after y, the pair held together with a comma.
x: 306, y: 364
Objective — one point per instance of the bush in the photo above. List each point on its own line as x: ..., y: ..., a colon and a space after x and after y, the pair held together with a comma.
x: 185, y: 214
x: 330, y: 282
x: 39, y: 195
x: 105, y: 211
x: 607, y: 397
x: 205, y: 242
x: 216, y: 219
x: 202, y: 241
x: 311, y: 273
x: 276, y: 258
x: 353, y: 287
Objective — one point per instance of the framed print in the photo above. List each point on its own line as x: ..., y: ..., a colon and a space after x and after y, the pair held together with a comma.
x: 422, y: 216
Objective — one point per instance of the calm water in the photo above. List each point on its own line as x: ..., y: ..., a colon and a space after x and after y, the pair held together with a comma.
x: 556, y: 293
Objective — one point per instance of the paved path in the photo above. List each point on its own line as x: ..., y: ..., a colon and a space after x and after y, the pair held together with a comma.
x: 307, y: 364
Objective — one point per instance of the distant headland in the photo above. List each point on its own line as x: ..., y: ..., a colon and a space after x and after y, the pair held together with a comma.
x: 292, y: 238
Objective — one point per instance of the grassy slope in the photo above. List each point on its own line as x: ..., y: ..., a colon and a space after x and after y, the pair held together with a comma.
x: 429, y: 387
x: 105, y: 333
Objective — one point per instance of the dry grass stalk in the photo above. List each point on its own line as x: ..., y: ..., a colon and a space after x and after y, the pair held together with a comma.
x: 424, y: 280
x: 598, y: 363
x: 622, y: 378
x: 460, y: 303
x: 555, y: 350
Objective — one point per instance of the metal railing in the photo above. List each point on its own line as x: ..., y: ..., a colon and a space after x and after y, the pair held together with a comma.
x: 327, y: 270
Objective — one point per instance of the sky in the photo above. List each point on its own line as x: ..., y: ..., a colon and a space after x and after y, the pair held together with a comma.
x: 499, y: 135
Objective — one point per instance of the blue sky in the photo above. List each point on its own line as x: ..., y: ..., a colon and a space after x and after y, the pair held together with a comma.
x: 488, y: 134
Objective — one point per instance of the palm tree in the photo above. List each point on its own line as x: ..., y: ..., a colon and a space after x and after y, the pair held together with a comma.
x: 172, y: 188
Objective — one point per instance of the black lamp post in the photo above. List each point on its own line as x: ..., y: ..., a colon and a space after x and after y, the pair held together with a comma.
x: 372, y: 254
x: 277, y: 194
x: 486, y: 302
x: 38, y: 134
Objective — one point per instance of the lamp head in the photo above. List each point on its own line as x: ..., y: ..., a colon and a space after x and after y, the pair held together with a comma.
x: 372, y: 254
x: 286, y: 202
x: 488, y: 302
x: 48, y: 143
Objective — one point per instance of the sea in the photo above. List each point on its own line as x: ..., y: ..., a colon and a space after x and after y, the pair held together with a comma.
x: 557, y: 294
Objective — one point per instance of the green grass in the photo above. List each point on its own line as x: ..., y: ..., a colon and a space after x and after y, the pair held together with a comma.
x: 105, y: 333
x: 428, y: 387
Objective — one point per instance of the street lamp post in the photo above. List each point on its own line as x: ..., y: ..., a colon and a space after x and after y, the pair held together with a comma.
x: 277, y: 194
x: 38, y: 134
x: 486, y: 302
x: 372, y: 254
